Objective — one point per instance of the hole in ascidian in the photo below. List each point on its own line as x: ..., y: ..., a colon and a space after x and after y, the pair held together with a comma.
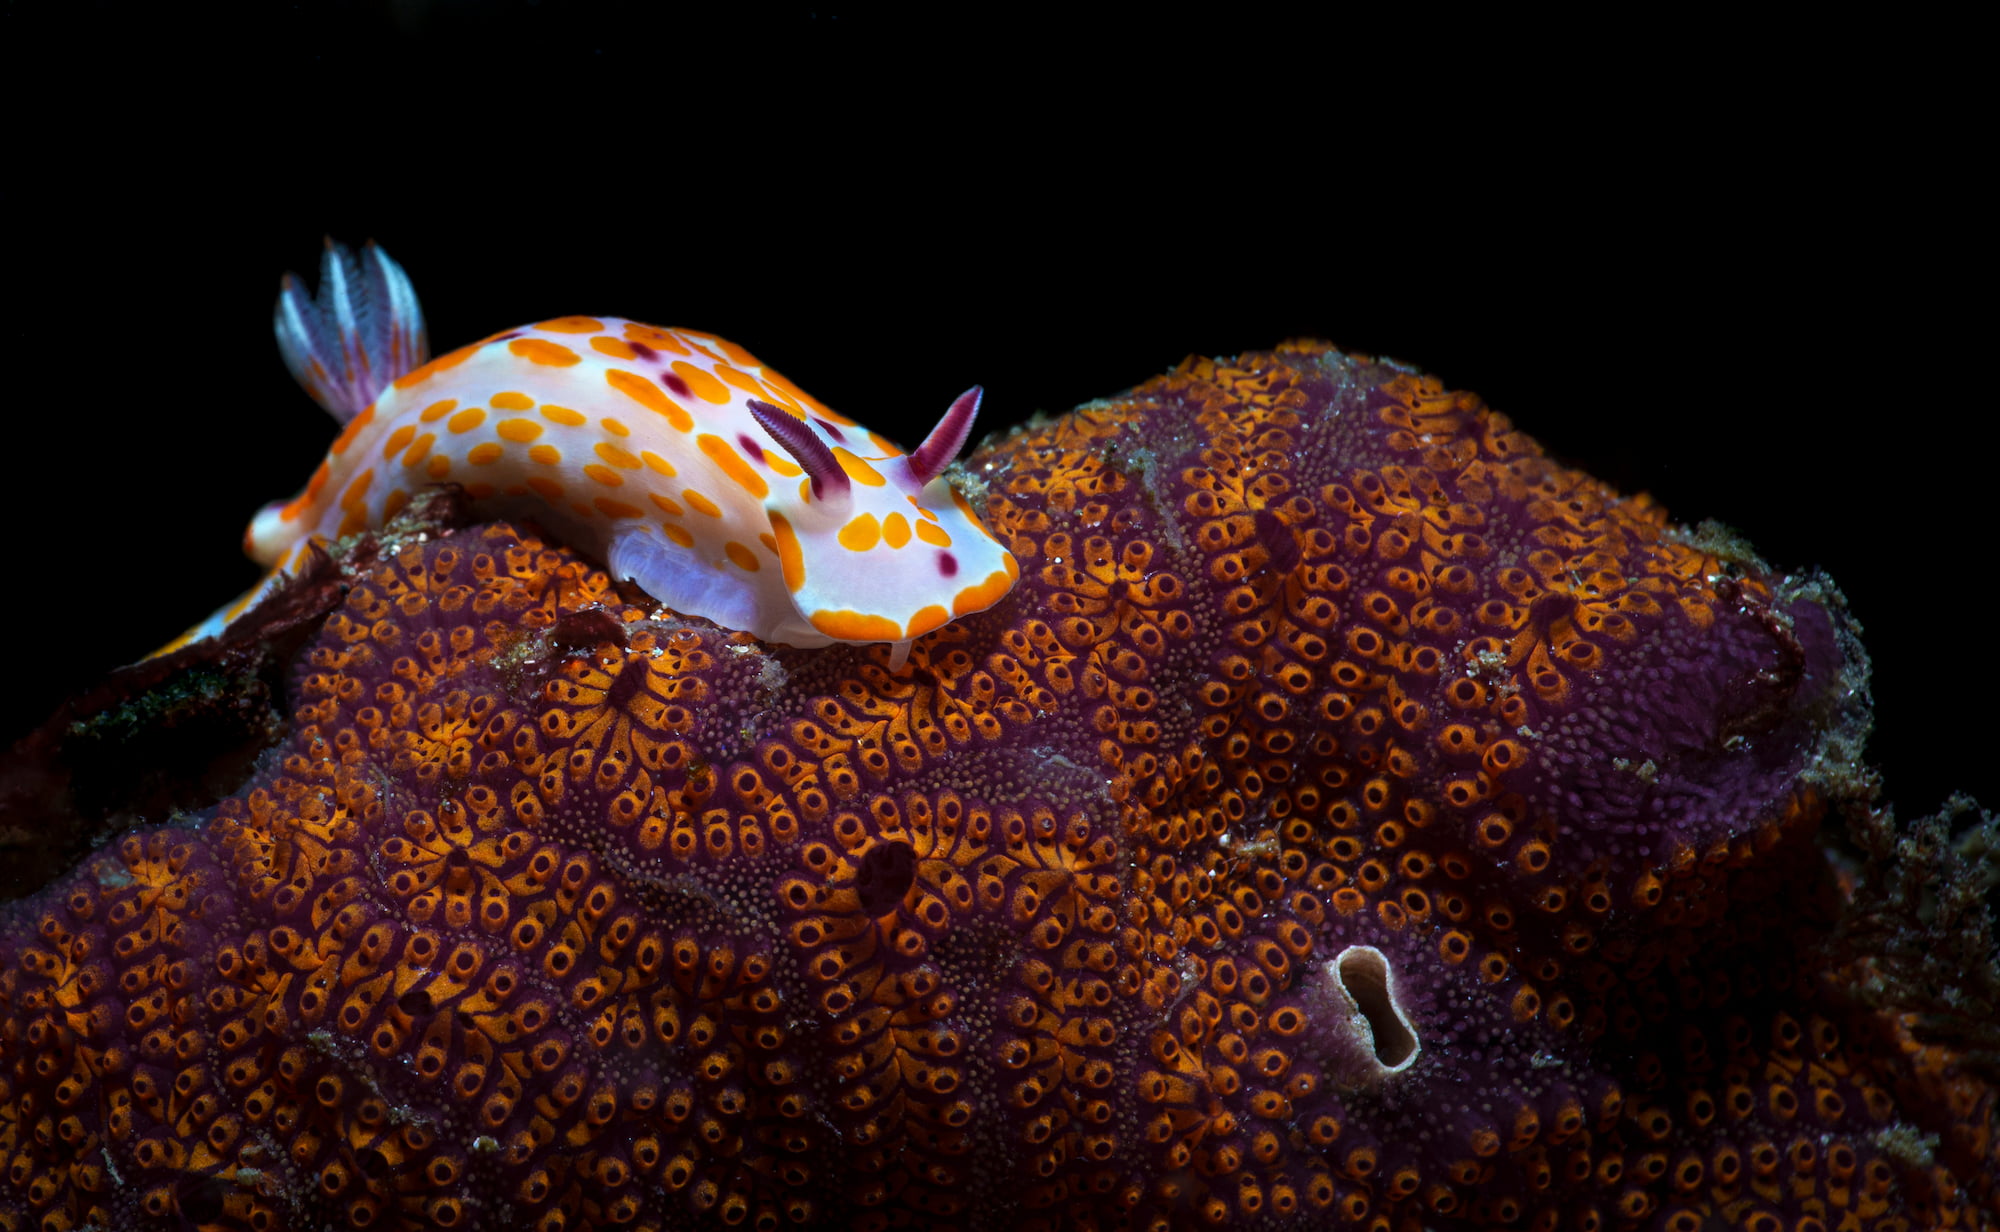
x: 1369, y: 983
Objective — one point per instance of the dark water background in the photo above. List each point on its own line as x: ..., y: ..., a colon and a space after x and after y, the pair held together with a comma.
x: 1735, y: 268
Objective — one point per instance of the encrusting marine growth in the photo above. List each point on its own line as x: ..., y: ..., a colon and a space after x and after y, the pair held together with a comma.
x: 1351, y: 819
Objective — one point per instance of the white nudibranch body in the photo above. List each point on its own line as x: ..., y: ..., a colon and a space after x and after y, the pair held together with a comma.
x: 674, y: 457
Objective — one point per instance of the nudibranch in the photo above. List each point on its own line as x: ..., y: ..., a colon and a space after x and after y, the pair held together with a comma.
x: 674, y: 457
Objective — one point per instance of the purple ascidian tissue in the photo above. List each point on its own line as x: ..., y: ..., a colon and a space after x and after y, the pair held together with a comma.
x: 1351, y: 819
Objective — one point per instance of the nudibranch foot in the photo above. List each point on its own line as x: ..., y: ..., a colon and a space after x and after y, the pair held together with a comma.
x: 681, y: 580
x: 365, y: 330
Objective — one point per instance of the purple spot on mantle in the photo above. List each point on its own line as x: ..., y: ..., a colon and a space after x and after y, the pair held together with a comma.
x: 511, y: 334
x: 947, y: 564
x: 643, y: 351
x: 750, y: 447
x: 675, y: 383
x: 828, y: 428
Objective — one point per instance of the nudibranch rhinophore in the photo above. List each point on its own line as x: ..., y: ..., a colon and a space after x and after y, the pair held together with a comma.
x: 674, y: 457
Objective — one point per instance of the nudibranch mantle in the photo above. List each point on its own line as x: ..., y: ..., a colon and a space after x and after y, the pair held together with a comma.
x: 674, y: 457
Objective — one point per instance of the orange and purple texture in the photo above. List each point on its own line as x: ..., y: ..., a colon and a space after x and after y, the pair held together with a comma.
x: 542, y: 909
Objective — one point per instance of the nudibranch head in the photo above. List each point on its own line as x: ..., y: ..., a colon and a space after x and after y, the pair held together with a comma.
x: 675, y: 457
x: 880, y: 553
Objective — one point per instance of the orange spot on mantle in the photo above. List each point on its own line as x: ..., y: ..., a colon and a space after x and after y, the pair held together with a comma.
x: 705, y: 387
x: 861, y: 533
x: 791, y: 561
x: 548, y: 354
x: 354, y: 427
x: 741, y: 380
x: 933, y: 534
x: 654, y: 337
x: 857, y: 469
x: 926, y: 619
x: 851, y: 626
x: 732, y: 464
x: 979, y: 597
x: 616, y: 456
x: 650, y: 396
x: 737, y: 355
x: 443, y: 363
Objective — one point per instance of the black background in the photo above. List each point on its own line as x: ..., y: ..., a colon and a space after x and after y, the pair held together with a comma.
x: 1736, y: 268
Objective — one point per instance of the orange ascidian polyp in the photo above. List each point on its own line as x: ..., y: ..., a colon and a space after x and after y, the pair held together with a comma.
x: 674, y: 457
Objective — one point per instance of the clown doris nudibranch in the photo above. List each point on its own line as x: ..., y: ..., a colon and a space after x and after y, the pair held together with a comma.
x: 675, y: 457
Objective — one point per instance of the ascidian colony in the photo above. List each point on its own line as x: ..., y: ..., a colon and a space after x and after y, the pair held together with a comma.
x: 1351, y: 819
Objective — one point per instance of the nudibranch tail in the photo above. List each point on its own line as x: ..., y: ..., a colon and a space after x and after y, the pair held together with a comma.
x: 365, y: 330
x: 945, y: 440
x: 829, y: 481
